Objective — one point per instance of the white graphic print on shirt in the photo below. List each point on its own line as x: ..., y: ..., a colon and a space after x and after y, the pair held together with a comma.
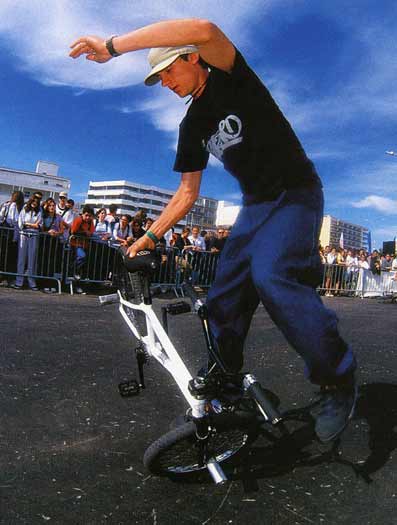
x: 228, y: 134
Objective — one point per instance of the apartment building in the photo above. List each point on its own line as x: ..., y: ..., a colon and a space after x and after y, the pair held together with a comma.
x: 335, y: 232
x: 44, y: 179
x: 132, y: 196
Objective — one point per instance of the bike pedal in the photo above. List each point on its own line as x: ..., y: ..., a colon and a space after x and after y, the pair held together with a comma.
x: 129, y: 388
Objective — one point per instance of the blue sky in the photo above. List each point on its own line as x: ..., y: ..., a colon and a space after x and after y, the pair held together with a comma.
x: 330, y: 66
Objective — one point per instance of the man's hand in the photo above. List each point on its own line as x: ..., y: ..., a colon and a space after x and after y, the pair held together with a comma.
x: 93, y: 47
x: 144, y: 243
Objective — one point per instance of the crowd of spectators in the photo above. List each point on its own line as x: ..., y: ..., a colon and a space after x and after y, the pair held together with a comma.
x: 343, y: 265
x: 22, y: 251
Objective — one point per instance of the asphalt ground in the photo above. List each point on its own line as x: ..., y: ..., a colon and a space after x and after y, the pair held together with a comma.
x: 72, y: 448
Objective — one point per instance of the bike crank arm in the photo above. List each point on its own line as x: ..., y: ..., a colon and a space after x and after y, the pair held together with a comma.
x: 256, y: 392
x: 216, y: 471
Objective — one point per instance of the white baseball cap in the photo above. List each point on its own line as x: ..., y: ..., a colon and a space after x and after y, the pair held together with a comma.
x: 161, y: 57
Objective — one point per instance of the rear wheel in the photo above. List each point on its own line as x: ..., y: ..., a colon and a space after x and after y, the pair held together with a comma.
x: 178, y: 451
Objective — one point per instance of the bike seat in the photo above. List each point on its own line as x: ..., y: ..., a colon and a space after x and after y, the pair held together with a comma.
x: 147, y: 261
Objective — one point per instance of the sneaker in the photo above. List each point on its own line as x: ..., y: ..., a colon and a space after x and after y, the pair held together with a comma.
x: 15, y: 286
x: 80, y: 291
x: 336, y: 408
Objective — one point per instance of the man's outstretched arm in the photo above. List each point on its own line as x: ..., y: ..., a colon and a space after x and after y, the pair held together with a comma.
x: 214, y: 47
x: 176, y: 209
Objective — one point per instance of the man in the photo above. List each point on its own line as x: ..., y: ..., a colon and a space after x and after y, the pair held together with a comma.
x: 61, y: 207
x: 81, y: 230
x: 272, y: 253
x: 386, y: 263
x: 112, y: 218
x: 219, y: 241
x: 197, y: 242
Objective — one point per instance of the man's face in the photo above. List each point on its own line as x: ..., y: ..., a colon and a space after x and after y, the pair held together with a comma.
x: 220, y: 233
x: 182, y: 77
x: 86, y: 217
x: 62, y: 201
x: 195, y: 232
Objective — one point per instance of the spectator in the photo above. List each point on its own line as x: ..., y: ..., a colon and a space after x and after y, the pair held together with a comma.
x: 374, y: 262
x: 29, y: 222
x: 219, y: 241
x: 197, y: 243
x: 50, y: 250
x: 226, y: 233
x: 52, y: 223
x: 61, y: 207
x: 136, y: 230
x: 209, y: 238
x: 386, y: 263
x: 394, y: 264
x: 183, y: 241
x: 68, y: 218
x: 331, y: 259
x: 102, y: 231
x: 167, y: 237
x: 339, y: 270
x: 112, y: 217
x: 149, y: 221
x: 363, y: 262
x: 80, y: 232
x: 9, y: 213
x: 141, y: 216
x: 175, y: 236
x: 38, y: 195
x: 122, y: 231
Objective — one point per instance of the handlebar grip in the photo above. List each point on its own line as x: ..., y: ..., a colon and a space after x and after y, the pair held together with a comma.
x: 256, y: 392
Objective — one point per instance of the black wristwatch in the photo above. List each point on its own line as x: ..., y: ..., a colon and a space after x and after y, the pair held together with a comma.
x: 110, y: 48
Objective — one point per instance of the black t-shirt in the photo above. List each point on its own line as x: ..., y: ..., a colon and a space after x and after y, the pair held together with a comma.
x: 237, y: 120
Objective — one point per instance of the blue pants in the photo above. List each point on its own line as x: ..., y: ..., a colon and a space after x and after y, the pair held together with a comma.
x: 272, y: 256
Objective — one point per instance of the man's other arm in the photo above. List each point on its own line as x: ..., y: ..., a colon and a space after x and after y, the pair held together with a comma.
x: 214, y: 46
x: 184, y: 198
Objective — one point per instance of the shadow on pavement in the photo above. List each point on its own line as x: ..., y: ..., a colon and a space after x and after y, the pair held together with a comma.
x: 377, y: 405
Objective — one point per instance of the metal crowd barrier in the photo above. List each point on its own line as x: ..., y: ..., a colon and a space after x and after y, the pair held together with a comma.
x: 356, y: 281
x: 49, y: 256
x: 60, y: 261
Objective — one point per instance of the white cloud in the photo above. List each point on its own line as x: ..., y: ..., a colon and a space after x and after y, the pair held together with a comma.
x: 381, y: 204
x: 39, y: 32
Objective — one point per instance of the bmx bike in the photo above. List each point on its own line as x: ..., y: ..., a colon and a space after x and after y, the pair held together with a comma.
x: 226, y: 412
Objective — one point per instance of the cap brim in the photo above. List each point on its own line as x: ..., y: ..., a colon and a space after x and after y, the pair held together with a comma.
x: 153, y: 77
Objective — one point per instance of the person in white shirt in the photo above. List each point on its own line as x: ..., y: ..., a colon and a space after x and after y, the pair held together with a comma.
x: 9, y: 234
x: 102, y: 227
x: 122, y: 233
x: 331, y: 260
x: 363, y: 263
x: 29, y: 222
x: 61, y: 207
x: 197, y: 243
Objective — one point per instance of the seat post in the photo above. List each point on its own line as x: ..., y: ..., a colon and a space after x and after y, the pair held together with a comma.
x: 147, y: 295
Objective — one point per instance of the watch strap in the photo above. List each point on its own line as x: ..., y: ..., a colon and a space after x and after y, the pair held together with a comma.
x: 110, y: 48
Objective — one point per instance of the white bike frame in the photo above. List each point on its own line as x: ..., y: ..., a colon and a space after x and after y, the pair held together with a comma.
x: 158, y: 345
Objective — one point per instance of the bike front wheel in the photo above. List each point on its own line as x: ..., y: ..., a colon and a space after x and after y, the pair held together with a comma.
x: 178, y: 451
